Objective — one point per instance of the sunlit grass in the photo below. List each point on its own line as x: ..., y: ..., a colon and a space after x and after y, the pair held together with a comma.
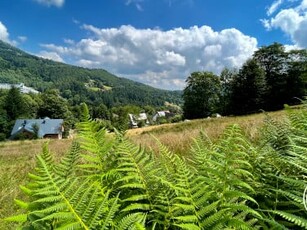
x: 178, y: 137
x: 17, y: 158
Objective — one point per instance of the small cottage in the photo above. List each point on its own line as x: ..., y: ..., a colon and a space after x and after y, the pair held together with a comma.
x: 41, y: 128
x: 167, y: 114
x: 134, y: 120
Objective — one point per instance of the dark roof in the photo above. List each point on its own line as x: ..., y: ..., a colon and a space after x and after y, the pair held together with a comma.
x: 45, y: 126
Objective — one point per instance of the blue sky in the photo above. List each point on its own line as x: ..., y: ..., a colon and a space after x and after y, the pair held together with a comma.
x: 157, y: 42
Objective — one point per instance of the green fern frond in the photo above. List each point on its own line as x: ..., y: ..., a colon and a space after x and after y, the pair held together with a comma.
x: 22, y: 218
x: 297, y: 220
x: 132, y: 221
x: 213, y: 219
x: 93, y: 138
x: 67, y: 165
x: 136, y: 170
x: 187, y: 226
x: 108, y: 219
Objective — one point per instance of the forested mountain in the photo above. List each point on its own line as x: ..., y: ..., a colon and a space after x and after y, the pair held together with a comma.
x: 77, y: 84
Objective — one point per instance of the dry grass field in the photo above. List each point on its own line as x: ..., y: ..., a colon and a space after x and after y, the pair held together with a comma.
x: 17, y: 158
x: 178, y: 137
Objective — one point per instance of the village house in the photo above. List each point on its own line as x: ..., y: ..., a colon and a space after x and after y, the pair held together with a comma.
x: 167, y: 114
x: 41, y: 128
x: 134, y: 120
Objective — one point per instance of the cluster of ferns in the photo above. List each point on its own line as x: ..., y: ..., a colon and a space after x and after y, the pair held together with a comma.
x: 106, y: 182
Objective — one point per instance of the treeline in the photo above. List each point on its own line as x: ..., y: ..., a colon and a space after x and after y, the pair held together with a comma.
x: 77, y: 84
x: 271, y: 78
x: 15, y: 105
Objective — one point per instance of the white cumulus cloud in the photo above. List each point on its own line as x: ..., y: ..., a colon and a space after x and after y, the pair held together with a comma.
x: 159, y: 58
x: 292, y: 21
x: 57, y: 3
x: 50, y: 55
x: 5, y: 36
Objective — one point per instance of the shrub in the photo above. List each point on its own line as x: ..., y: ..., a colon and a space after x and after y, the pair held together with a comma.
x: 2, y: 137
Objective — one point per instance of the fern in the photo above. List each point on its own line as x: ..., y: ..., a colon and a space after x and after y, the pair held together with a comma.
x: 226, y: 169
x: 61, y: 202
x: 106, y: 182
x: 67, y: 166
x: 136, y: 170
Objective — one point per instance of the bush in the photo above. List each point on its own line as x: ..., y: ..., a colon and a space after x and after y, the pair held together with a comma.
x: 176, y: 119
x: 141, y: 123
x: 2, y: 137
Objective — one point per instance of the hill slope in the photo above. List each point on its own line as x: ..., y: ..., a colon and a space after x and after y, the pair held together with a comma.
x: 77, y: 84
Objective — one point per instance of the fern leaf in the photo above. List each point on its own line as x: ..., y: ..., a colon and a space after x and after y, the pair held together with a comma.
x: 22, y: 204
x: 130, y: 221
x: 213, y: 219
x: 299, y: 221
x: 108, y: 218
x: 136, y: 206
x: 188, y: 226
x: 18, y: 218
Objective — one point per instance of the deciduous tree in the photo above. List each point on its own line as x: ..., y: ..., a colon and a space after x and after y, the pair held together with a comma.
x: 274, y: 61
x: 248, y: 89
x: 201, y: 95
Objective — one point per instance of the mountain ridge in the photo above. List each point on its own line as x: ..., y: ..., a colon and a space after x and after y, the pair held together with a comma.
x: 78, y: 84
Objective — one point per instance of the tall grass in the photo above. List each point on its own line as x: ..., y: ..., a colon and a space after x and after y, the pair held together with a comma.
x: 17, y: 158
x: 178, y: 137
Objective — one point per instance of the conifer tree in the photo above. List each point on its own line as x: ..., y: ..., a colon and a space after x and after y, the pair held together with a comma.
x: 14, y: 104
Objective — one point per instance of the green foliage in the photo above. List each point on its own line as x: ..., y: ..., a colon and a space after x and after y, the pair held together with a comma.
x: 283, y: 74
x: 273, y: 60
x: 227, y: 77
x: 14, y: 104
x: 35, y: 129
x: 85, y: 114
x: 248, y: 89
x: 201, y: 95
x: 110, y: 183
x: 53, y: 106
x: 272, y: 78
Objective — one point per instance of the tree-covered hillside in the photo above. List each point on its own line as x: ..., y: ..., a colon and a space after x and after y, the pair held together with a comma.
x: 93, y: 86
x: 271, y: 78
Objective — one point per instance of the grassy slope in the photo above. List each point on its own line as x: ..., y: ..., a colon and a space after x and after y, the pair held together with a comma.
x: 18, y: 158
x: 178, y: 137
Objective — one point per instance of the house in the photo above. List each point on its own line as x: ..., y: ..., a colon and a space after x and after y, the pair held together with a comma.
x: 43, y: 128
x: 134, y: 120
x: 167, y: 114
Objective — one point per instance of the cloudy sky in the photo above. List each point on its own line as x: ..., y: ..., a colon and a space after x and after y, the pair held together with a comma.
x: 157, y: 42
